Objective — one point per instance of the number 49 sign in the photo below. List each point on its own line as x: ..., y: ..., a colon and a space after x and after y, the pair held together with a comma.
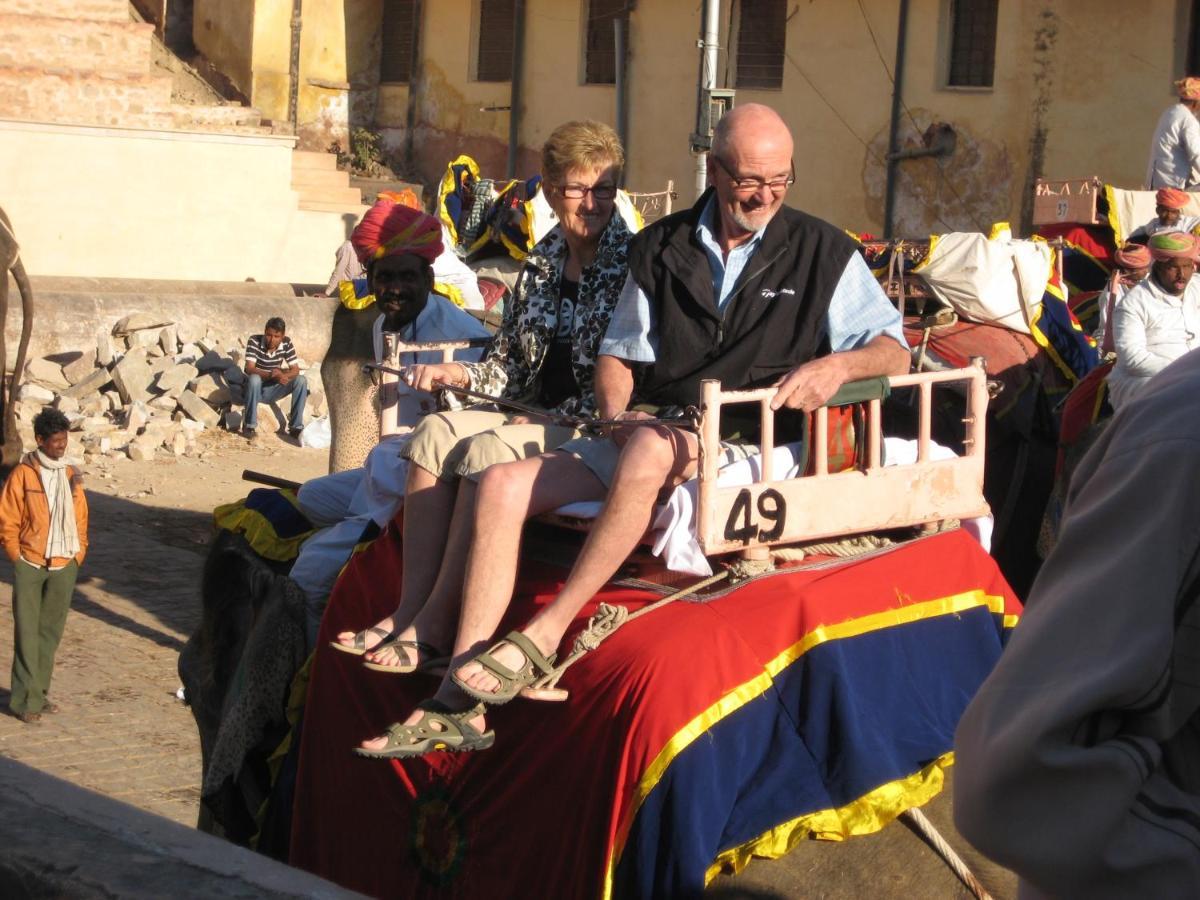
x: 741, y: 525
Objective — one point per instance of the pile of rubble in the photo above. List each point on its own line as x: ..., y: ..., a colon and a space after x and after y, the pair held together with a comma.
x: 147, y: 388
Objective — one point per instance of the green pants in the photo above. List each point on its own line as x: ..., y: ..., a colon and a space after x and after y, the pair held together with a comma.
x: 41, y: 599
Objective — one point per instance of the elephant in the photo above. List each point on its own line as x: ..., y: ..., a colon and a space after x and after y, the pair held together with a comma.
x: 352, y: 396
x: 10, y: 256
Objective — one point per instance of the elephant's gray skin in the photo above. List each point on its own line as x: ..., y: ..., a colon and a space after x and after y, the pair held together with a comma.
x: 10, y: 257
x: 351, y: 394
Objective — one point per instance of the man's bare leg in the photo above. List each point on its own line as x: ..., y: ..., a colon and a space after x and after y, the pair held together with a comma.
x: 507, y: 495
x: 435, y: 622
x: 429, y: 501
x: 652, y: 459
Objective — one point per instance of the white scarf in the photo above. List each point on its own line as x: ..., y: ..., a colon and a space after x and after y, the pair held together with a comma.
x: 63, y: 540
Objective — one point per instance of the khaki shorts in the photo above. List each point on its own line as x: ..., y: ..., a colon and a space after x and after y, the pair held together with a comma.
x: 462, y: 443
x: 600, y: 455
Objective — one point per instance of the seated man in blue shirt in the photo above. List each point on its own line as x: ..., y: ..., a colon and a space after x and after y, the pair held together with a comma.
x: 739, y: 288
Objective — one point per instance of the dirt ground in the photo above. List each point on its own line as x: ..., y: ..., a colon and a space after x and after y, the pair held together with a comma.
x: 120, y: 730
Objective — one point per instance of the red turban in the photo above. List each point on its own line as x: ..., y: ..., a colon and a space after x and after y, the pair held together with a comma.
x: 1172, y: 198
x: 1132, y: 256
x: 1188, y: 88
x: 390, y: 228
x: 1172, y: 245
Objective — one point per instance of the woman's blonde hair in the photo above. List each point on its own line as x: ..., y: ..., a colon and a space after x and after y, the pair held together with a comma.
x: 580, y: 145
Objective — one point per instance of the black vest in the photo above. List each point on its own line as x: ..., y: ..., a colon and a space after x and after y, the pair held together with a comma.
x: 773, y: 322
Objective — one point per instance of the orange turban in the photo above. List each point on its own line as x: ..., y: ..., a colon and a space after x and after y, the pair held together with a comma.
x: 1188, y: 88
x: 1172, y: 198
x: 390, y: 228
x: 1132, y: 256
x: 1172, y: 245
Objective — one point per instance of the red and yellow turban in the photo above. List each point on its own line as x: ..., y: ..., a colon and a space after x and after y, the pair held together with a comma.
x: 390, y: 229
x: 1188, y: 88
x: 1172, y: 198
x: 1132, y: 256
x: 1172, y: 245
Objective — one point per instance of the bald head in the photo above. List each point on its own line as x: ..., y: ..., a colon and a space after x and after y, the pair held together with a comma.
x: 751, y: 127
x: 750, y: 166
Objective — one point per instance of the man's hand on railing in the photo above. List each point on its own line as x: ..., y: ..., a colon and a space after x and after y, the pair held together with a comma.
x: 810, y: 385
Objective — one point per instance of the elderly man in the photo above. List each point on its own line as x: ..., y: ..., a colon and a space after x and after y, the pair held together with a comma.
x: 1168, y: 215
x: 1076, y: 762
x: 740, y: 288
x: 1175, y: 149
x: 1159, y: 319
x: 1130, y: 265
x: 397, y: 246
x: 272, y: 373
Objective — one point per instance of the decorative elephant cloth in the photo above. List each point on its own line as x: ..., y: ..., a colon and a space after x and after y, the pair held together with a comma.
x: 352, y: 396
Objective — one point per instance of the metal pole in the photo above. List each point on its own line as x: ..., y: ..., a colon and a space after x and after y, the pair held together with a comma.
x: 294, y: 66
x: 889, y: 207
x: 416, y: 70
x: 622, y: 86
x: 514, y: 111
x: 710, y: 27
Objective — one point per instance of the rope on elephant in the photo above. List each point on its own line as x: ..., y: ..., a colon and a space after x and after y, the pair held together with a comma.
x: 606, y: 620
x: 942, y: 846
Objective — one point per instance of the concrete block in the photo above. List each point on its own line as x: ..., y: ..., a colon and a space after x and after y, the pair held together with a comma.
x: 165, y: 403
x: 96, y: 425
x: 191, y: 428
x: 105, y: 351
x: 178, y: 444
x: 168, y: 340
x: 188, y: 353
x: 188, y: 331
x: 132, y: 377
x: 140, y: 452
x: 209, y: 344
x: 174, y: 380
x: 67, y: 404
x: 81, y: 368
x: 90, y: 384
x: 316, y: 402
x: 93, y: 405
x: 234, y: 419
x: 76, y: 420
x: 161, y: 363
x: 138, y: 321
x: 136, y: 417
x: 35, y: 393
x: 211, y: 388
x: 46, y: 372
x: 198, y: 409
x: 113, y: 400
x: 147, y: 338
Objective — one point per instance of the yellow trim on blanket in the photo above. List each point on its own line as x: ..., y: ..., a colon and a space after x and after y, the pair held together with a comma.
x: 447, y: 186
x: 258, y: 531
x: 866, y: 815
x: 350, y: 299
x: 933, y: 242
x: 744, y: 693
x: 1114, y: 220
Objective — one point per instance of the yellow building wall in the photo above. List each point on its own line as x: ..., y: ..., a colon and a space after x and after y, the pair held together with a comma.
x: 1078, y: 87
x: 224, y: 33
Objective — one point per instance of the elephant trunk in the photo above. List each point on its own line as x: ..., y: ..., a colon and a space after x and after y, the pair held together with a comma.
x: 12, y: 448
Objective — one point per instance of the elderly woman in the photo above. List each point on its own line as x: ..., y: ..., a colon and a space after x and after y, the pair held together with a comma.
x: 544, y: 354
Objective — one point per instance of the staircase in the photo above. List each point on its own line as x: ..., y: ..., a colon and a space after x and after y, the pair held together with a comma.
x: 321, y: 185
x: 86, y: 62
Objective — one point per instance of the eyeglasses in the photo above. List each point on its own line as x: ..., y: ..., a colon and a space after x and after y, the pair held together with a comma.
x: 579, y: 191
x: 750, y: 184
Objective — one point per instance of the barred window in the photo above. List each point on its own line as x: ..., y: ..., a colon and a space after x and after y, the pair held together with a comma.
x: 972, y: 42
x: 397, y: 32
x: 493, y: 59
x: 762, y: 27
x: 600, y: 54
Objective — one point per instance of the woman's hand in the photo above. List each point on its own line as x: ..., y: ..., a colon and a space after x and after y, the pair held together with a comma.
x: 421, y: 378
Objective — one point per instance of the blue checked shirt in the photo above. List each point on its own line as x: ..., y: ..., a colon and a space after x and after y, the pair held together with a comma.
x: 859, y: 311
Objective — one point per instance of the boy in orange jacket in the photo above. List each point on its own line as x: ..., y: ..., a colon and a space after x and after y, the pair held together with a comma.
x: 43, y: 523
